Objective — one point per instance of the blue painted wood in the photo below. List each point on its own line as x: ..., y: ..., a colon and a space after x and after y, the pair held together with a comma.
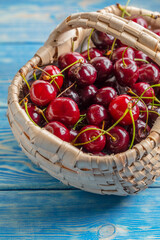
x: 32, y: 21
x: 77, y: 215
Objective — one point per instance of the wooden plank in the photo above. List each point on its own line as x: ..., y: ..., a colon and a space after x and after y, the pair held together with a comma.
x: 30, y: 21
x: 77, y: 215
x: 16, y: 170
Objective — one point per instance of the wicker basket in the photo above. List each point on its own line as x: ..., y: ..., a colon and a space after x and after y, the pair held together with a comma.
x: 121, y: 174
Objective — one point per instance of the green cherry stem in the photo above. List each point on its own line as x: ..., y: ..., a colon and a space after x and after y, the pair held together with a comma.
x: 20, y: 71
x: 26, y: 108
x: 141, y: 60
x: 110, y: 52
x: 89, y: 39
x: 24, y: 98
x: 34, y: 75
x: 134, y: 128
x: 124, y: 64
x: 151, y: 111
x: 82, y: 117
x: 78, y: 61
x: 42, y: 113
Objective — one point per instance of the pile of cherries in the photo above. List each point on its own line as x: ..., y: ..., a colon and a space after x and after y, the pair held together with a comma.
x: 102, y: 100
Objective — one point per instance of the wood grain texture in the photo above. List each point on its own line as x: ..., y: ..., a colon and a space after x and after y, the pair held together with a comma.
x: 78, y: 215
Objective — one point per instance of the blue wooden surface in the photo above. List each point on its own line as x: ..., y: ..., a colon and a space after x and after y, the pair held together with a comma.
x: 33, y: 205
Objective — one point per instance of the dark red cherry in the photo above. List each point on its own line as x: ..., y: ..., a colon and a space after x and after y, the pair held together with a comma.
x: 87, y: 94
x: 119, y: 105
x: 63, y: 109
x: 140, y: 132
x: 103, y: 66
x: 33, y: 113
x: 154, y: 113
x: 149, y: 73
x: 105, y: 95
x: 96, y: 114
x: 119, y: 142
x: 83, y: 73
x: 102, y: 40
x: 142, y: 111
x: 117, y: 54
x: 59, y: 130
x: 128, y: 74
x: 70, y: 93
x: 73, y: 134
x: 90, y: 133
x: 141, y: 21
x: 52, y: 70
x: 93, y: 52
x: 67, y: 59
x: 42, y: 93
x: 157, y: 31
x: 141, y: 55
x: 140, y: 87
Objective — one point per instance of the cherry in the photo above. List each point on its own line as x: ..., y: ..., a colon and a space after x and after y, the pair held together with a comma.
x: 141, y: 55
x: 93, y: 52
x: 102, y: 40
x: 103, y: 66
x: 117, y: 54
x: 140, y: 87
x: 143, y: 114
x: 42, y: 93
x: 63, y: 109
x: 141, y: 21
x: 87, y: 94
x: 149, y: 73
x: 105, y: 95
x: 127, y: 74
x: 70, y: 93
x: 52, y: 70
x: 73, y: 134
x: 59, y: 130
x: 67, y: 59
x: 119, y: 141
x: 119, y: 105
x: 96, y: 114
x: 83, y: 73
x: 141, y: 131
x: 157, y: 31
x: 33, y: 113
x: 96, y: 145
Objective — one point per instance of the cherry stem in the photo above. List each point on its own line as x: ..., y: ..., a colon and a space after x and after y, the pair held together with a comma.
x: 89, y: 39
x: 134, y: 128
x: 124, y: 64
x: 130, y: 91
x: 24, y: 98
x: 141, y: 60
x: 34, y: 75
x: 67, y: 89
x: 78, y: 61
x: 103, y: 125
x: 26, y: 108
x: 42, y: 113
x: 151, y: 112
x: 20, y: 71
x: 82, y: 117
x: 53, y: 80
x: 110, y: 52
x: 124, y: 11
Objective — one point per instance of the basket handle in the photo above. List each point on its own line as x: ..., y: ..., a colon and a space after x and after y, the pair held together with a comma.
x: 127, y: 31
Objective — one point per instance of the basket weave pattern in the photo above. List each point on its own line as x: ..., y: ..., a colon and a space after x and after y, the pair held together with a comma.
x: 121, y: 174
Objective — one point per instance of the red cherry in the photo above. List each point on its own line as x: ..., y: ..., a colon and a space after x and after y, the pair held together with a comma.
x: 59, y: 130
x: 33, y: 113
x: 63, y: 109
x: 149, y: 73
x: 141, y: 21
x: 102, y: 40
x: 117, y: 54
x: 42, y: 93
x: 143, y: 114
x: 103, y: 66
x: 73, y: 134
x: 93, y: 52
x: 67, y: 59
x: 52, y: 70
x: 84, y: 74
x: 87, y: 94
x: 96, y: 114
x: 128, y: 74
x: 105, y: 95
x: 118, y: 106
x: 140, y: 132
x: 71, y: 93
x: 119, y: 142
x: 140, y: 87
x: 96, y: 145
x: 141, y: 55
